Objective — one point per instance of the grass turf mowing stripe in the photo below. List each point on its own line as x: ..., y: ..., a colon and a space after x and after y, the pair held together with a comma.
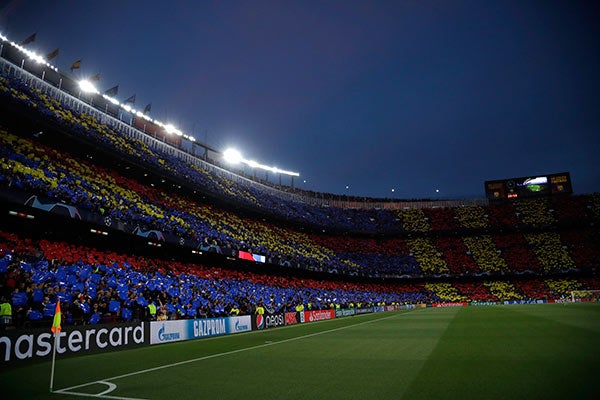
x: 220, y: 354
x: 475, y: 352
x: 376, y: 360
x: 30, y: 381
x: 580, y: 315
x: 514, y: 352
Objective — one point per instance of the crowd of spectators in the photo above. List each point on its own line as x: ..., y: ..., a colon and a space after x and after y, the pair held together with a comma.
x: 472, y: 217
x: 441, y: 219
x: 38, y: 169
x: 533, y: 237
x: 485, y: 253
x: 429, y: 258
x: 414, y: 220
x: 96, y: 286
x: 535, y: 212
x: 503, y: 290
x: 446, y: 292
x: 538, y: 236
x: 563, y: 287
x: 457, y: 257
x: 102, y: 287
x: 550, y: 251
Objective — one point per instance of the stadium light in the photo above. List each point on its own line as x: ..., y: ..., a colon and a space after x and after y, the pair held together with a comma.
x: 112, y: 100
x: 37, y: 58
x: 169, y: 128
x: 87, y: 86
x: 31, y: 54
x: 232, y: 156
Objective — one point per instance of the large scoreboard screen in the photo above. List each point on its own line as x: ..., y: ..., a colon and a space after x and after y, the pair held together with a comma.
x: 530, y: 186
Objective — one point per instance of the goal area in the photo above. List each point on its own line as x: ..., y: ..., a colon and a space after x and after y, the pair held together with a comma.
x: 585, y: 295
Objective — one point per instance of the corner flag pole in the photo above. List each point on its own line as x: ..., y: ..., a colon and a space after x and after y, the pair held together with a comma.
x: 56, y: 328
x: 53, y: 362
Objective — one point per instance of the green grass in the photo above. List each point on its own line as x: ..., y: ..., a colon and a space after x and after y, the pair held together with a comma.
x: 497, y: 352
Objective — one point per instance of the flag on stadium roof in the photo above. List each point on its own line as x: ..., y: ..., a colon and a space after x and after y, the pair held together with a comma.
x: 148, y: 108
x: 76, y: 65
x: 56, y: 328
x: 130, y: 100
x: 95, y: 78
x: 113, y: 91
x: 52, y: 55
x: 28, y: 39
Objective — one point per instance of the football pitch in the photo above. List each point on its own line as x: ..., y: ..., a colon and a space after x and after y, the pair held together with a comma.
x: 545, y: 351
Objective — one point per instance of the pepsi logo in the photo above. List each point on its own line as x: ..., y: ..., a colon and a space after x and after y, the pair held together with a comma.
x: 260, y: 321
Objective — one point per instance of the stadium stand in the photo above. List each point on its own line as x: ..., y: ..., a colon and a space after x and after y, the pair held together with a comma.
x: 111, y: 287
x: 86, y: 168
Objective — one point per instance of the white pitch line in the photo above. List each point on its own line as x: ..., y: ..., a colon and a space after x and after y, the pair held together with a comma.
x: 102, y: 395
x: 66, y: 390
x: 97, y: 396
x: 111, y: 387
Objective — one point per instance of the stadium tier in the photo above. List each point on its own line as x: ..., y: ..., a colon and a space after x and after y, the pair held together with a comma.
x: 46, y: 176
x: 103, y: 287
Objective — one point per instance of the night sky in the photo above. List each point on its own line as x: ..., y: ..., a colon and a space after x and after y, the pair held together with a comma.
x: 415, y: 96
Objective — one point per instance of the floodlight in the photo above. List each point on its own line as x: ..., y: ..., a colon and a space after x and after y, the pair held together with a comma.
x: 87, y: 86
x: 171, y: 129
x: 232, y: 156
x: 111, y: 99
x: 38, y: 59
x: 254, y: 164
x: 290, y: 173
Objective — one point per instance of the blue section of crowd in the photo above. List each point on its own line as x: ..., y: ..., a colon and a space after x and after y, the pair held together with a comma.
x: 92, y: 293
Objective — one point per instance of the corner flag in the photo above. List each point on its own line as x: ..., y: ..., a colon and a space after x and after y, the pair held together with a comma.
x: 56, y: 328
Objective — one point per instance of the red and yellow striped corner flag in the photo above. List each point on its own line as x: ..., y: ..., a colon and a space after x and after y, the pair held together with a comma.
x: 57, y: 319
